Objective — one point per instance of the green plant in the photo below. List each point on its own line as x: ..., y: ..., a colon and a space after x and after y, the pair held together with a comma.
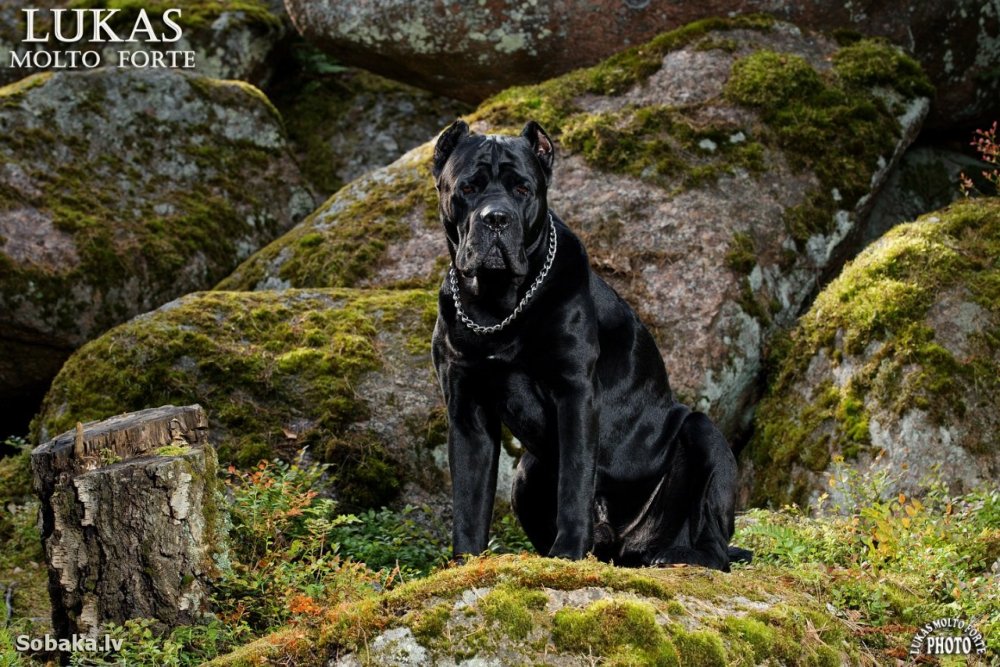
x: 185, y: 646
x: 508, y: 537
x: 985, y: 143
x: 410, y: 541
x: 283, y: 557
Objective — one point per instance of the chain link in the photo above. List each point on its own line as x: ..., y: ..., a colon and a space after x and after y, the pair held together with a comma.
x: 479, y: 328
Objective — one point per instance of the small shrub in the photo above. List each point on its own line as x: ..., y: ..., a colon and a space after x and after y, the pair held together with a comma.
x: 986, y: 144
x: 410, y: 540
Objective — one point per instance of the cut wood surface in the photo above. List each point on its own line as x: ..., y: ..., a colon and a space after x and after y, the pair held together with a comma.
x: 129, y: 518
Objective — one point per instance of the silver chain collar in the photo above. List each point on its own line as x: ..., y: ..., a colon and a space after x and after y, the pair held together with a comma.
x: 479, y: 328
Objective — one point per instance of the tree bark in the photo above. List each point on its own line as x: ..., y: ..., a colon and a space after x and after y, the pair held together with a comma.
x: 129, y: 519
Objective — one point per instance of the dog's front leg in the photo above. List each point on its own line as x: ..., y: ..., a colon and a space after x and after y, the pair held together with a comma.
x: 578, y: 433
x: 473, y: 454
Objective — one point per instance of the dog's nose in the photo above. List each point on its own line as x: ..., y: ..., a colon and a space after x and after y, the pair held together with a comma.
x: 495, y: 219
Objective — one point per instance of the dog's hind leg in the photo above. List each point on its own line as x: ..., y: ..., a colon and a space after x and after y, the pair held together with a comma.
x: 701, y: 488
x: 533, y: 499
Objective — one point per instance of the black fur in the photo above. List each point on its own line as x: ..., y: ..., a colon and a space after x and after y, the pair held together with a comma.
x: 613, y: 464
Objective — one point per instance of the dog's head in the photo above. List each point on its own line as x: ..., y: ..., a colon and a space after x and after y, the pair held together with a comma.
x: 492, y: 198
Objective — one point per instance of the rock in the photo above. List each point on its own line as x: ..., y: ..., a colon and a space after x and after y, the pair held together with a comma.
x: 130, y: 520
x: 521, y: 610
x: 895, y: 368
x: 471, y: 54
x: 344, y: 123
x: 232, y: 39
x: 346, y: 373
x: 119, y: 191
x: 926, y: 179
x: 715, y: 176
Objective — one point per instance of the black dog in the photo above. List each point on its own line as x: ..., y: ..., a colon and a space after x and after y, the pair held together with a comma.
x: 528, y: 336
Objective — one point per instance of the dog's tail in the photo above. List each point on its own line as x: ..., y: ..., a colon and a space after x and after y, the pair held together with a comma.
x: 739, y: 555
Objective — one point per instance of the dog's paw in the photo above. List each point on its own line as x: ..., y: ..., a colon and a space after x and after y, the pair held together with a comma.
x: 573, y: 548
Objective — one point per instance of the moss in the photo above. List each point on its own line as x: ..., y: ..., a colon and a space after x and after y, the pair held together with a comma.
x: 365, y: 474
x: 876, y: 62
x: 623, y: 631
x: 699, y: 648
x: 434, y: 432
x: 343, y: 242
x: 428, y: 624
x: 742, y: 254
x: 552, y: 102
x: 659, y: 144
x: 263, y: 362
x: 618, y: 630
x: 828, y: 123
x: 119, y: 236
x: 511, y: 607
x: 757, y: 635
x: 15, y: 477
x: 874, y: 314
x: 173, y: 450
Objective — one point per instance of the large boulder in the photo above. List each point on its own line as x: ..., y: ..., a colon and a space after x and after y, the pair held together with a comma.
x: 715, y: 175
x: 470, y: 54
x: 346, y: 122
x: 346, y: 373
x: 231, y: 39
x: 896, y: 367
x: 119, y: 191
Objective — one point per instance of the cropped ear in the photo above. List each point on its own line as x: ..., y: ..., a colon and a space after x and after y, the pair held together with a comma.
x: 541, y: 144
x: 446, y: 144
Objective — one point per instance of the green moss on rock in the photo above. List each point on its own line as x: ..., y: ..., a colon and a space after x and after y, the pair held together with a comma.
x: 520, y: 609
x: 343, y: 242
x: 553, y: 102
x: 622, y: 631
x: 276, y: 372
x: 811, y: 119
x: 872, y: 322
x: 137, y: 204
x: 829, y: 122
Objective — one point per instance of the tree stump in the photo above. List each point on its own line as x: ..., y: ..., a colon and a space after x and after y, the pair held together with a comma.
x: 129, y: 519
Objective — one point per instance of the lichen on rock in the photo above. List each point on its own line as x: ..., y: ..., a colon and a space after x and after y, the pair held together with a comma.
x: 895, y: 366
x: 277, y: 371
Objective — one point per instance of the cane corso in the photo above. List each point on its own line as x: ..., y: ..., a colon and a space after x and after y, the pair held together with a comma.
x: 528, y: 336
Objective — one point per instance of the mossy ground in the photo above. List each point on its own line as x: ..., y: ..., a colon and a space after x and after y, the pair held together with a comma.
x: 820, y: 592
x: 276, y: 371
x: 881, y: 299
x: 685, y: 616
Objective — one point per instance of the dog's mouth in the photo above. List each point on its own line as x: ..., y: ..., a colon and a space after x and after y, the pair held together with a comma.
x: 499, y: 255
x: 494, y: 258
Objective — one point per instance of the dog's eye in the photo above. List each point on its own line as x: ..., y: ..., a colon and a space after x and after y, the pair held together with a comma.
x: 522, y: 190
x: 468, y: 189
